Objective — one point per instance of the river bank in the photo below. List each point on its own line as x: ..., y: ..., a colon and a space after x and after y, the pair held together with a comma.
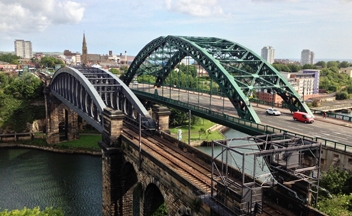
x: 52, y: 149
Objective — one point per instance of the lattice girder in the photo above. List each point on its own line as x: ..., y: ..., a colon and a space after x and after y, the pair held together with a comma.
x: 237, y: 70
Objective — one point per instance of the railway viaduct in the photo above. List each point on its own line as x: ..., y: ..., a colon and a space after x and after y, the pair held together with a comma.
x: 142, y: 171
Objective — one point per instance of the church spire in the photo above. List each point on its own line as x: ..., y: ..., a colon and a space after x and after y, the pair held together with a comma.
x: 84, y: 51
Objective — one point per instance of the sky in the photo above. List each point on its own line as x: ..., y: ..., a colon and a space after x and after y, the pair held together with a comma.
x: 289, y: 26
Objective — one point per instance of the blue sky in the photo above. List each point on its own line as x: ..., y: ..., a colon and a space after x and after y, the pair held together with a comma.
x: 323, y: 26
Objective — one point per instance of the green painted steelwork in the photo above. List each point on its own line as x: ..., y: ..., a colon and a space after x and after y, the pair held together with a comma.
x: 238, y: 71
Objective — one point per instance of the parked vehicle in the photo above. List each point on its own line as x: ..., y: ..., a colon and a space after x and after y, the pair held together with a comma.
x: 273, y: 111
x: 303, y: 117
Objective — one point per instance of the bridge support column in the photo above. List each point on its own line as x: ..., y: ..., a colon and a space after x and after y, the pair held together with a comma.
x: 52, y: 119
x: 162, y: 115
x: 72, y: 125
x: 112, y: 162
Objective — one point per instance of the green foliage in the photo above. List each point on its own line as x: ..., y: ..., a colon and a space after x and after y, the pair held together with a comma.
x: 349, y: 89
x: 16, y: 98
x: 177, y: 117
x: 332, y: 64
x: 321, y: 64
x: 342, y: 95
x: 336, y: 181
x: 146, y: 79
x: 309, y: 66
x: 84, y: 142
x: 339, y: 184
x: 26, y: 86
x: 344, y: 64
x: 33, y: 212
x: 201, y: 132
x: 115, y: 71
x: 50, y: 61
x: 123, y: 69
x: 294, y: 67
x: 188, y: 69
x: 339, y: 205
x: 10, y: 58
x: 333, y: 81
x: 286, y: 67
x: 161, y: 211
x: 215, y: 135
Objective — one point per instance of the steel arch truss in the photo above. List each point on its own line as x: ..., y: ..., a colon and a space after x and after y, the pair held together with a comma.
x: 237, y: 70
x: 88, y: 90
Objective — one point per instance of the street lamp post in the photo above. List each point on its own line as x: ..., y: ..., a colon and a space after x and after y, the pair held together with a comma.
x: 272, y: 98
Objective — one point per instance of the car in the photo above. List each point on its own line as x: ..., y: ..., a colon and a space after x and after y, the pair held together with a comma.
x: 303, y: 117
x: 273, y: 111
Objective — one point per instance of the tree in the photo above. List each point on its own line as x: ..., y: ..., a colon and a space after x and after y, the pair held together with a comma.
x: 294, y: 67
x: 50, y: 61
x: 342, y: 95
x: 344, y: 64
x: 10, y: 58
x: 26, y: 86
x: 337, y: 205
x: 349, y: 89
x: 321, y: 64
x: 115, y: 71
x: 177, y: 117
x: 333, y: 180
x: 309, y: 66
x: 201, y: 132
x: 332, y: 64
x: 123, y: 69
x: 338, y: 183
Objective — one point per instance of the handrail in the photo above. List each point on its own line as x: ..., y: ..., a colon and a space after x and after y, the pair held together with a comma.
x: 260, y: 128
x: 315, y: 110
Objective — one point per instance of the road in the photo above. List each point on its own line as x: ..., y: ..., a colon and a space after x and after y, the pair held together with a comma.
x: 320, y: 128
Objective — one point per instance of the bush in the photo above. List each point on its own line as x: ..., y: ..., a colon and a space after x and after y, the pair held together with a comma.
x: 342, y: 95
x: 33, y: 212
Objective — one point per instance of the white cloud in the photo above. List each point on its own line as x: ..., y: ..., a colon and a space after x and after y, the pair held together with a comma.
x: 195, y: 7
x: 23, y: 16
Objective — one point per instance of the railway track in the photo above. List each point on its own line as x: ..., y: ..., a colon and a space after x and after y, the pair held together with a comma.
x: 191, y: 168
x: 197, y: 175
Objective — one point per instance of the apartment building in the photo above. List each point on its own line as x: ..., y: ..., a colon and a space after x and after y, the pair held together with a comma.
x: 307, y: 57
x: 23, y: 49
x: 268, y: 54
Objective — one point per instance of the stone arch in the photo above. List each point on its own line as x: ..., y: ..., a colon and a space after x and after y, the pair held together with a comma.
x: 131, y: 194
x: 153, y: 198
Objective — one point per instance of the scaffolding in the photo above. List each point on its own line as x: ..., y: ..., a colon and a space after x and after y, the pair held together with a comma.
x: 243, y: 167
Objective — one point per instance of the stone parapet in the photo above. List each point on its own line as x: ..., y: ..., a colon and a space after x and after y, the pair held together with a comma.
x: 162, y: 115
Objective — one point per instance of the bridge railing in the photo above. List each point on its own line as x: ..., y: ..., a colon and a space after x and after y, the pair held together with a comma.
x: 260, y: 128
x: 314, y: 111
x: 21, y: 136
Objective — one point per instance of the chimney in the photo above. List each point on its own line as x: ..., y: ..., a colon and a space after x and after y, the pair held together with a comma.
x: 110, y: 53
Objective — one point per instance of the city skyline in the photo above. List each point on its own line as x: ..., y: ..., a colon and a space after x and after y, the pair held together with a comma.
x: 288, y: 25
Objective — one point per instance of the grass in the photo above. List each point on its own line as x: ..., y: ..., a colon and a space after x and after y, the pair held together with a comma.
x: 84, y: 142
x: 203, y: 123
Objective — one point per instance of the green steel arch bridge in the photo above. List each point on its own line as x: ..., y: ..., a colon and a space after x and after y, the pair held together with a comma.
x: 234, y: 72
